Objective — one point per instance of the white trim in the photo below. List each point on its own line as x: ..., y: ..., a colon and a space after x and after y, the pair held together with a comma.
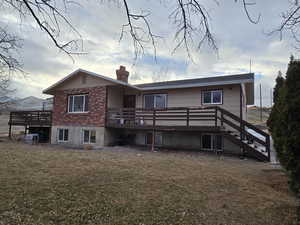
x: 63, y: 129
x: 244, y: 95
x: 77, y: 95
x: 89, y: 142
x: 212, y: 97
x: 177, y: 86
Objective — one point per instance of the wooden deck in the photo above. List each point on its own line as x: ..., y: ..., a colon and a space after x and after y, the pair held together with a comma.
x: 206, y: 119
x: 30, y: 118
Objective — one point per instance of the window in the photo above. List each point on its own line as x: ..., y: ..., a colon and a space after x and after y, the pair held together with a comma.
x: 63, y: 135
x: 89, y: 136
x: 158, y: 139
x: 152, y: 101
x: 211, y: 142
x: 78, y: 103
x: 212, y: 97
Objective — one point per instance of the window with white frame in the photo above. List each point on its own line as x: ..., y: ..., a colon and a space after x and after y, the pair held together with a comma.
x: 152, y: 101
x: 89, y: 136
x: 212, y: 97
x: 211, y: 142
x: 63, y: 135
x: 78, y: 103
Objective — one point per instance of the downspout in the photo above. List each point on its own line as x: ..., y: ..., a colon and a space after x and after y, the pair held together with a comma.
x: 241, y: 119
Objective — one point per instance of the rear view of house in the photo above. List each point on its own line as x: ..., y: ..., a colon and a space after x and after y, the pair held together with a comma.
x: 200, y: 114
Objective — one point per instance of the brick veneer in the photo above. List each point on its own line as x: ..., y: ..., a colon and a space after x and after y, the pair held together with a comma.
x: 97, y: 107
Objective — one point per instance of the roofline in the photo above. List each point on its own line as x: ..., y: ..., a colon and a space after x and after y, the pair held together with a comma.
x: 199, y: 85
x: 92, y: 74
x: 167, y: 86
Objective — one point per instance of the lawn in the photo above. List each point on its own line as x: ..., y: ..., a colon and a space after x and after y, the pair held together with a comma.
x: 52, y: 185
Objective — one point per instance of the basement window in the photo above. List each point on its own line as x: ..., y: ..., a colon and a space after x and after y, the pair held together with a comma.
x: 78, y: 103
x: 89, y: 136
x: 212, y: 142
x: 212, y: 97
x: 158, y: 139
x: 63, y: 135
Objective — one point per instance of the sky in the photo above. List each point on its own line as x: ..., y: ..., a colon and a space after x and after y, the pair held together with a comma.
x: 100, y: 22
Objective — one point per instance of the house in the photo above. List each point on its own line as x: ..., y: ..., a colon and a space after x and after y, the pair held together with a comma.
x: 201, y: 114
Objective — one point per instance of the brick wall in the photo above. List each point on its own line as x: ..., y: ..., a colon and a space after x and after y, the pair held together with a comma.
x: 95, y: 116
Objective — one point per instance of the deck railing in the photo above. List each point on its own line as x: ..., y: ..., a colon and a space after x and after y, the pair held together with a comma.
x: 188, y: 117
x: 182, y: 116
x: 27, y: 118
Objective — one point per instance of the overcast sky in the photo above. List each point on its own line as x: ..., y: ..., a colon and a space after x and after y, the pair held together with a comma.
x: 100, y: 25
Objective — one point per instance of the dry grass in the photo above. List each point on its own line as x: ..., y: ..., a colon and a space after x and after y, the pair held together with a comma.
x: 47, y: 185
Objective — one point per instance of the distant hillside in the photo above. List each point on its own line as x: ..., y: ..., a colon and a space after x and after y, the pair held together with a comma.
x: 28, y: 103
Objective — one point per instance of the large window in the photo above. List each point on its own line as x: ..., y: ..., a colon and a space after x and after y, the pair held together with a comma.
x: 212, y: 97
x: 89, y: 136
x: 152, y: 101
x: 78, y: 103
x: 63, y: 135
x: 211, y: 142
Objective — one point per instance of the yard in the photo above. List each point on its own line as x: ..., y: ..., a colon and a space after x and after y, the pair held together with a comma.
x: 52, y: 185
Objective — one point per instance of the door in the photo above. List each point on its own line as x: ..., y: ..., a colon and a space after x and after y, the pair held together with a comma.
x: 129, y: 115
x: 129, y: 101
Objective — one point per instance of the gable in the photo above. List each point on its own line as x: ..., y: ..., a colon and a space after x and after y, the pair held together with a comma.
x: 83, y: 80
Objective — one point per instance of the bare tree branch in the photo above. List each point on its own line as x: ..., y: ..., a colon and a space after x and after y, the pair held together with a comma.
x: 192, y: 22
x: 9, y: 44
x: 250, y: 18
x: 290, y: 23
x: 140, y: 34
x: 50, y: 16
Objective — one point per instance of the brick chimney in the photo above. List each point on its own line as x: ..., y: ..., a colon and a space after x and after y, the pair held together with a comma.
x: 122, y: 74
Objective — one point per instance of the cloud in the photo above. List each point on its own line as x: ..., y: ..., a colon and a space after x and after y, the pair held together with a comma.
x: 100, y: 24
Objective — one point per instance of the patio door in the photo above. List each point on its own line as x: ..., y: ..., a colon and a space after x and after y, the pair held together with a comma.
x: 129, y: 101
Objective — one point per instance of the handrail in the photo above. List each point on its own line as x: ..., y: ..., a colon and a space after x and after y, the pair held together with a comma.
x: 190, y: 114
x: 241, y: 125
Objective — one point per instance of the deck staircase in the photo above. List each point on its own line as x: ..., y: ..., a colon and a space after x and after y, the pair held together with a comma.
x: 253, y: 141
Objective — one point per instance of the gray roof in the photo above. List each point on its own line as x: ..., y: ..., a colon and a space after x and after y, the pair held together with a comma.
x: 198, y: 82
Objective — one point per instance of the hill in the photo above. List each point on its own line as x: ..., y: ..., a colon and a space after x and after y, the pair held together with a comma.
x: 28, y: 103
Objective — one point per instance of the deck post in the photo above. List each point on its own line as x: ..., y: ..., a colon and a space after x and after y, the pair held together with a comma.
x: 216, y: 117
x: 153, y: 129
x: 187, y: 117
x: 242, y: 127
